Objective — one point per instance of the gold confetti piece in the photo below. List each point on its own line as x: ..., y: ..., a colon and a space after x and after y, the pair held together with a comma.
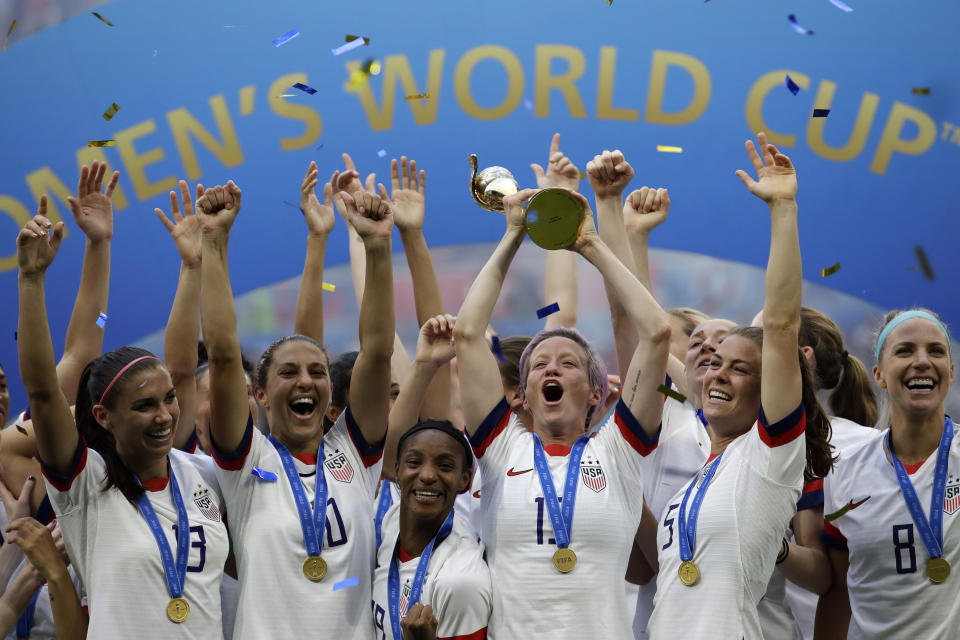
x: 829, y: 271
x: 582, y: 174
x: 112, y: 111
x: 424, y: 96
x: 22, y: 430
x: 371, y: 66
x: 109, y: 24
x: 921, y: 91
x: 329, y: 287
x: 9, y: 31
x: 366, y: 40
x: 924, y: 263
x: 102, y: 143
x: 667, y: 149
x: 676, y: 395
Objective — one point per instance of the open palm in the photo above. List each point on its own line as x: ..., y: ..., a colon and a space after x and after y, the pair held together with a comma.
x: 407, y: 199
x: 93, y: 210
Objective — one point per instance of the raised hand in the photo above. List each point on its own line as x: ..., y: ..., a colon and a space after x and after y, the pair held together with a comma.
x: 588, y: 230
x: 92, y: 210
x: 407, y: 194
x: 42, y: 547
x: 17, y: 507
x: 419, y: 623
x: 38, y: 242
x: 645, y: 209
x: 609, y: 174
x: 185, y: 227
x: 435, y: 343
x: 513, y: 208
x: 219, y: 207
x: 561, y: 172
x: 320, y: 217
x: 776, y: 176
x: 370, y: 215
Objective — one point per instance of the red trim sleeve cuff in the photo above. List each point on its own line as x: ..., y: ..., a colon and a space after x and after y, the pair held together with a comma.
x: 491, y: 427
x: 64, y: 481
x: 833, y: 538
x: 370, y: 454
x: 233, y: 460
x: 784, y: 431
x: 812, y: 495
x: 632, y: 432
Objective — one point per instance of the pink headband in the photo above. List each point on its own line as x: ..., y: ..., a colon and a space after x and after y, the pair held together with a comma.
x: 122, y: 371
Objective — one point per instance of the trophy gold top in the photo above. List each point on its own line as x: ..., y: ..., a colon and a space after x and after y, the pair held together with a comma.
x: 490, y: 186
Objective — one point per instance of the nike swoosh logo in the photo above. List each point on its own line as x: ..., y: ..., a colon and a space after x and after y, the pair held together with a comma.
x: 854, y: 505
x: 847, y: 507
x: 476, y: 494
x: 512, y: 473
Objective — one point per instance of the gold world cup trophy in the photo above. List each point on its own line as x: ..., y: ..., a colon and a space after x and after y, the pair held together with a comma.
x: 553, y: 216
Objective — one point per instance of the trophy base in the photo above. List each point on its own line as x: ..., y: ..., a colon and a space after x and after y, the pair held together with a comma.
x: 554, y: 218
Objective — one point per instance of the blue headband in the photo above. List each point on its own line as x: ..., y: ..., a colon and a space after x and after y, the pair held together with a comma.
x: 903, y: 317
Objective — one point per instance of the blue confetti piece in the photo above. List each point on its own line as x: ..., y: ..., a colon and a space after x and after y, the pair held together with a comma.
x: 550, y: 309
x: 285, y: 38
x: 305, y: 88
x: 821, y: 113
x: 383, y: 152
x: 349, y: 582
x: 263, y: 474
x: 497, y: 351
x: 841, y: 6
x: 797, y: 27
x: 350, y: 46
x: 102, y: 320
x: 793, y: 86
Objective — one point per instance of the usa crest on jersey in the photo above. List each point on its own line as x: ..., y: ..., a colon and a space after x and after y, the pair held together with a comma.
x: 404, y: 599
x: 592, y: 474
x: 339, y: 466
x: 951, y: 497
x: 201, y: 498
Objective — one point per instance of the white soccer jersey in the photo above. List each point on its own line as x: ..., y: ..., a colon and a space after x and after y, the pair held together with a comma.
x: 844, y: 435
x: 531, y: 599
x: 890, y: 594
x: 457, y: 585
x: 276, y: 599
x: 684, y: 447
x: 742, y: 520
x: 116, y: 556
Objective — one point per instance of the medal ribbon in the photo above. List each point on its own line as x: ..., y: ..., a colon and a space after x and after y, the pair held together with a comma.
x: 393, y: 581
x: 25, y: 622
x: 312, y: 524
x: 176, y: 572
x: 931, y: 531
x: 386, y: 499
x: 687, y: 525
x: 560, y: 518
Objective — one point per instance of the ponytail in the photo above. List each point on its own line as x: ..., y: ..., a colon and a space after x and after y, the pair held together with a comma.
x: 95, y: 383
x: 852, y: 397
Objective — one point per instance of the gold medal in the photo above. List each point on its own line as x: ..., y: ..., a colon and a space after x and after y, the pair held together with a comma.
x: 689, y: 573
x: 178, y: 610
x: 938, y: 569
x: 564, y: 560
x: 315, y: 568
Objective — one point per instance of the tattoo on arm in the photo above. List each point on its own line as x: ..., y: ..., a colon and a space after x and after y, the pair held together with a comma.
x: 633, y: 391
